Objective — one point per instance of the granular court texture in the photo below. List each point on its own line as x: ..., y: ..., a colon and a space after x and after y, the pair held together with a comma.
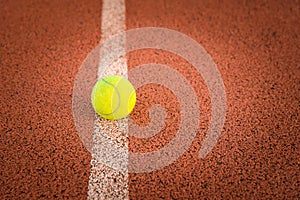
x: 256, y: 47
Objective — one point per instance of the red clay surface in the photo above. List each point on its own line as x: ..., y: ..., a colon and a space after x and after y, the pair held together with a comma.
x: 256, y: 46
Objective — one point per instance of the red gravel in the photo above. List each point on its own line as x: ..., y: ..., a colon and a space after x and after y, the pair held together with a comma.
x: 42, y: 47
x: 256, y: 47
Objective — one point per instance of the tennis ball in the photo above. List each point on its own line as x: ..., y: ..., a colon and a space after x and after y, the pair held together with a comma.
x: 113, y: 97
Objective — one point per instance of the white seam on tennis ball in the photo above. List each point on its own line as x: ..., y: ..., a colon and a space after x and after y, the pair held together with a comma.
x: 119, y: 99
x: 118, y: 93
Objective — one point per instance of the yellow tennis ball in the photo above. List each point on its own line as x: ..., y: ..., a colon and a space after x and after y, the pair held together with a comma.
x: 113, y: 97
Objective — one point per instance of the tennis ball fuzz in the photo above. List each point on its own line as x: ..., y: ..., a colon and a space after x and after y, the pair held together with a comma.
x: 113, y: 97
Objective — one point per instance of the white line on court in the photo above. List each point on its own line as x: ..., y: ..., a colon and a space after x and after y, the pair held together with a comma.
x: 105, y: 182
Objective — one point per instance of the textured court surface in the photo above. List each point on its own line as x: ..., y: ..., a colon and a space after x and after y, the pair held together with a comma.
x: 256, y: 46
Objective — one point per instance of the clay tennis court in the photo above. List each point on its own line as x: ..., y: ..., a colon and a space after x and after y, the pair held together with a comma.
x: 254, y: 44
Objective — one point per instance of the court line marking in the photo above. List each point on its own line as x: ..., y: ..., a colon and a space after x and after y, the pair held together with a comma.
x: 105, y: 182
